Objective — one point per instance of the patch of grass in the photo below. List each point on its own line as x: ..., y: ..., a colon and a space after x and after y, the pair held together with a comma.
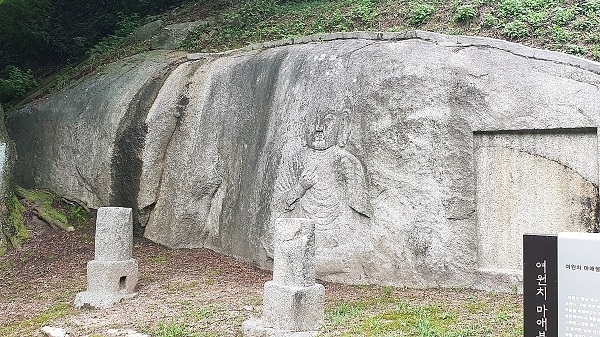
x: 575, y: 49
x: 489, y: 21
x: 423, y: 320
x: 563, y: 16
x: 339, y: 315
x: 387, y: 291
x: 512, y: 8
x: 172, y: 329
x: 205, y: 312
x: 592, y: 6
x: 596, y: 52
x: 389, y: 316
x: 32, y: 324
x: 536, y: 19
x: 559, y: 34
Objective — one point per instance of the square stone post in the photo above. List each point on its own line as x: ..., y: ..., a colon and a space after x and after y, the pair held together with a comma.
x: 113, y: 274
x: 293, y: 304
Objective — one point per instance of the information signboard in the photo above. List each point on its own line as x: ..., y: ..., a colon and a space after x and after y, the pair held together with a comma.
x: 579, y: 284
x: 540, y: 285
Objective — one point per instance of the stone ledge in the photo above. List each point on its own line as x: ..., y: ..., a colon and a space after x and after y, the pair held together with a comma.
x: 441, y: 39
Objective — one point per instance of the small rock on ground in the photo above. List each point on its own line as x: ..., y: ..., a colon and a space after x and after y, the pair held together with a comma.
x: 50, y: 331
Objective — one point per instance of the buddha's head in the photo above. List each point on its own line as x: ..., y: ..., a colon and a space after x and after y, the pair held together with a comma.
x: 326, y: 128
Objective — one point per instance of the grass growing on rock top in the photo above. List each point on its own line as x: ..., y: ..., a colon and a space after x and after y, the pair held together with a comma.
x: 563, y: 25
x: 568, y: 26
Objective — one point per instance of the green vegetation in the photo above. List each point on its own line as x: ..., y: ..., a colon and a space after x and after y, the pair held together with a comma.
x: 266, y: 20
x: 15, y: 82
x: 78, y: 216
x: 13, y: 230
x: 553, y: 24
x: 420, y: 14
x: 172, y: 329
x: 387, y: 316
x: 42, y: 203
x: 55, y: 42
x: 32, y: 324
x: 465, y: 13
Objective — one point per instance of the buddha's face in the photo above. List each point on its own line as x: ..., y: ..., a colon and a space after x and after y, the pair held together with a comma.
x: 322, y: 130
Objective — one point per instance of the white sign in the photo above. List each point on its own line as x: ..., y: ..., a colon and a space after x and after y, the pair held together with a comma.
x: 579, y: 284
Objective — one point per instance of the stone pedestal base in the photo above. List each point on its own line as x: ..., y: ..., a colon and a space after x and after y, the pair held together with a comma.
x: 293, y: 308
x: 99, y: 300
x: 288, y: 311
x: 108, y: 283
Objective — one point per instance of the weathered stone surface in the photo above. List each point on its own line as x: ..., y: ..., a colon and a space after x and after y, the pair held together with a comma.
x: 292, y: 301
x: 290, y: 308
x: 532, y: 182
x: 148, y: 31
x: 114, y: 234
x: 294, y: 257
x: 81, y: 142
x: 113, y: 274
x: 224, y: 150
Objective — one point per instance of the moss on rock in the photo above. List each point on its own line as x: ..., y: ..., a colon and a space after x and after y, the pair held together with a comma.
x: 42, y: 204
x: 12, y: 228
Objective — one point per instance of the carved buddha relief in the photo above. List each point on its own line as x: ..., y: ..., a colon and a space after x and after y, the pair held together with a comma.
x: 323, y: 181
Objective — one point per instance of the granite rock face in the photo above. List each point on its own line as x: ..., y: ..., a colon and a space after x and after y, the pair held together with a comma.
x: 421, y: 157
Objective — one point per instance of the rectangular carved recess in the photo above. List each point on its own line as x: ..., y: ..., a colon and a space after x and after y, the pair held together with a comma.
x: 532, y: 182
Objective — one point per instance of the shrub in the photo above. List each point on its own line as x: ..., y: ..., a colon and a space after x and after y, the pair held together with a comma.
x: 14, y: 83
x: 420, y: 14
x: 465, y: 13
x: 592, y: 6
x: 511, y: 8
x: 593, y: 38
x: 516, y: 30
x: 563, y: 16
x: 575, y: 49
x: 596, y: 52
x: 559, y: 34
x: 489, y: 21
x: 584, y: 25
x: 536, y: 19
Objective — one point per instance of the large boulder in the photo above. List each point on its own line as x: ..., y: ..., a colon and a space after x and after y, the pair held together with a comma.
x: 422, y: 158
x: 82, y: 142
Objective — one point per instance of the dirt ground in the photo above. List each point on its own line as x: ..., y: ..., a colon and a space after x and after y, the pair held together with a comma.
x: 198, y: 289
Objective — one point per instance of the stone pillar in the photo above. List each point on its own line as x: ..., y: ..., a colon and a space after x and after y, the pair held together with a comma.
x: 113, y: 274
x: 293, y: 304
